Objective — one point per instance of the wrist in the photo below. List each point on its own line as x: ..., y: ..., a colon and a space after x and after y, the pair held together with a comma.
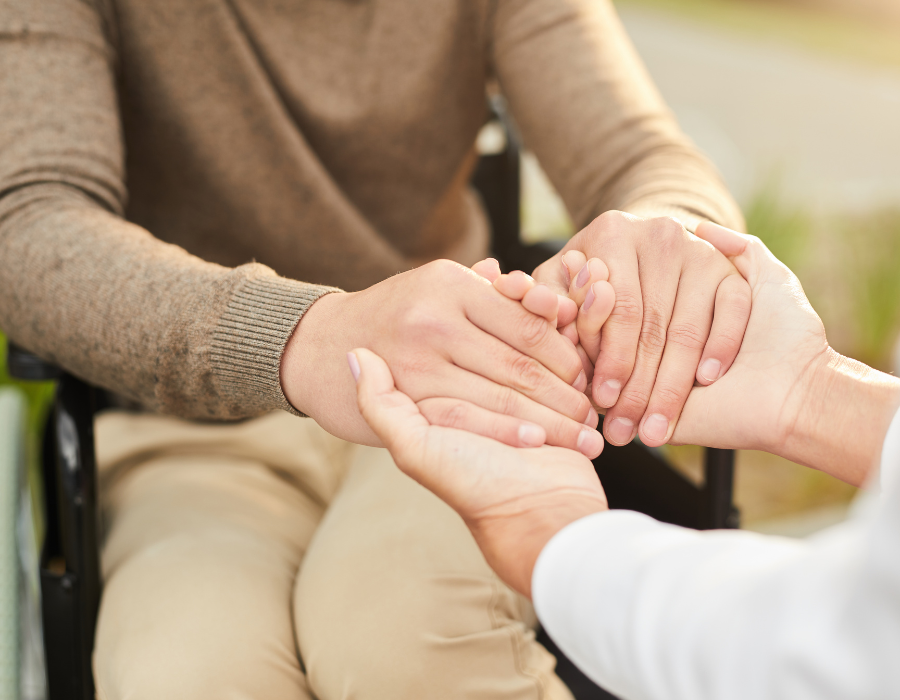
x: 511, y: 545
x: 844, y: 410
x: 302, y: 360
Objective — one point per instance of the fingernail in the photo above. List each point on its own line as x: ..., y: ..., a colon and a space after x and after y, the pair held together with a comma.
x: 531, y: 435
x: 566, y: 270
x: 655, y: 427
x: 593, y: 418
x: 354, y: 365
x: 608, y: 393
x: 580, y: 382
x: 590, y: 442
x: 583, y: 276
x: 710, y: 369
x: 620, y: 431
x: 589, y: 299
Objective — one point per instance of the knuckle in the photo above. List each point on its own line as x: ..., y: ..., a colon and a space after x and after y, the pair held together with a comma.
x: 633, y: 402
x: 686, y: 335
x: 669, y: 228
x: 508, y: 401
x: 628, y: 309
x: 526, y: 373
x: 653, y: 332
x: 668, y: 395
x: 612, y: 218
x: 729, y: 337
x: 445, y: 269
x: 420, y: 320
x: 531, y: 329
x: 452, y: 414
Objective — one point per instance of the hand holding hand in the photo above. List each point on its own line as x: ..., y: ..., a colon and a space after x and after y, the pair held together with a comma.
x: 469, y: 357
x: 680, y: 313
x: 513, y: 500
x: 788, y: 392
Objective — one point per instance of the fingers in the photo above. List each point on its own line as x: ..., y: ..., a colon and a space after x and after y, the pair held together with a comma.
x: 572, y: 262
x: 392, y: 415
x: 497, y: 361
x: 489, y: 268
x: 568, y: 311
x: 541, y: 301
x: 592, y: 271
x: 622, y: 331
x: 451, y: 381
x: 685, y: 337
x: 537, y: 298
x: 748, y: 253
x: 726, y: 241
x: 463, y: 415
x: 528, y: 333
x: 598, y: 305
x: 557, y: 272
x: 515, y: 285
x: 732, y: 312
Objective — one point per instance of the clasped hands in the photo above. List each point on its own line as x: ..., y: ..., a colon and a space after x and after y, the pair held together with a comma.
x: 786, y: 392
x: 672, y: 310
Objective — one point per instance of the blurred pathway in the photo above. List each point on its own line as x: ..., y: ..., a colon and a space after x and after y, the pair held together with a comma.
x: 825, y: 132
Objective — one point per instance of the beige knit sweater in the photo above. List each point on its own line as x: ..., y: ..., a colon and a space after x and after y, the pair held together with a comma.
x: 179, y: 178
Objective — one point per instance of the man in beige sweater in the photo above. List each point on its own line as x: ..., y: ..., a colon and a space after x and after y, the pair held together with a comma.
x: 275, y: 152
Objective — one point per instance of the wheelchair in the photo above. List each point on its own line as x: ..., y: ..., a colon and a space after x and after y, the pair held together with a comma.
x: 634, y: 477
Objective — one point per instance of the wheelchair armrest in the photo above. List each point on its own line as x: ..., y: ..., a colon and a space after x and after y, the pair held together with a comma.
x: 28, y: 367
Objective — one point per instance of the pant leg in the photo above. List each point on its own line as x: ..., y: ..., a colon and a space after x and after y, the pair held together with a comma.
x: 394, y: 600
x: 206, y: 527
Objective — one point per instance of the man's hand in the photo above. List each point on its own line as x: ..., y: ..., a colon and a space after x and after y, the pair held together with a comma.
x: 680, y: 313
x: 513, y: 500
x: 788, y: 392
x: 469, y: 357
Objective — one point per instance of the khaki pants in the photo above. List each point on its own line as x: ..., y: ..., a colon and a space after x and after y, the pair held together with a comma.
x: 270, y: 560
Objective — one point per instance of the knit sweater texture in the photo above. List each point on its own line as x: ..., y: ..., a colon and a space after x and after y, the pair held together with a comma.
x: 181, y: 179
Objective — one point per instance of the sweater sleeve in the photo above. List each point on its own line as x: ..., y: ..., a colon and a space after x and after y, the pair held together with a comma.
x: 653, y: 611
x: 82, y: 287
x: 588, y: 109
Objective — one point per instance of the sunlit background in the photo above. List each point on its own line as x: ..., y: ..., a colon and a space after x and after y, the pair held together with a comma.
x: 798, y: 104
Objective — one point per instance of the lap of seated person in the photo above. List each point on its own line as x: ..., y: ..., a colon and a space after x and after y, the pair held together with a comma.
x: 232, y: 547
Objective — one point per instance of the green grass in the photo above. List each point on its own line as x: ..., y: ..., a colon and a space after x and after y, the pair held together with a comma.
x: 824, y: 32
x: 786, y: 231
x: 871, y: 267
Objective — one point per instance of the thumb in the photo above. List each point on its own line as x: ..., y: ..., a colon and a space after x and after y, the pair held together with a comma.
x: 391, y: 414
x: 747, y: 253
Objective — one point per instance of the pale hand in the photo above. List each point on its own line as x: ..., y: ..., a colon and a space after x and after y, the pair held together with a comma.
x: 513, y: 500
x: 788, y: 392
x: 469, y: 357
x: 679, y: 315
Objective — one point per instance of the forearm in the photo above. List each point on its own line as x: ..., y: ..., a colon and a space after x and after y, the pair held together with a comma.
x: 112, y: 304
x: 844, y: 412
x: 587, y: 107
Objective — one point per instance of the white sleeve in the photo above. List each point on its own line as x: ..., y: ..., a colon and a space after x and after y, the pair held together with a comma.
x: 653, y: 611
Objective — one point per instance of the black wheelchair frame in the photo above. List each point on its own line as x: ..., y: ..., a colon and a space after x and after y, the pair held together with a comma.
x: 634, y: 477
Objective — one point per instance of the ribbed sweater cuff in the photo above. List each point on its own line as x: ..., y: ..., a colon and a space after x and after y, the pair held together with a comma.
x: 251, y: 335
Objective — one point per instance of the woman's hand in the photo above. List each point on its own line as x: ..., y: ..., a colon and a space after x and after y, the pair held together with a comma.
x: 469, y: 357
x: 513, y: 500
x: 788, y: 392
x: 680, y: 311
